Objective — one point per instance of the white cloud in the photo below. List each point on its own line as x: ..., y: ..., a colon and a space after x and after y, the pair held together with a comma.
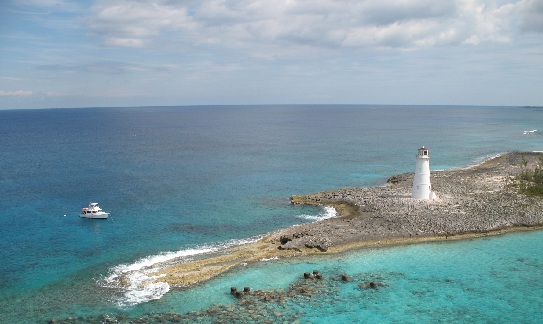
x: 133, y: 23
x: 328, y: 24
x: 16, y: 93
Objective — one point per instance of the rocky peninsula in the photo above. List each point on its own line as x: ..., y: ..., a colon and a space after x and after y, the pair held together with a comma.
x: 471, y: 202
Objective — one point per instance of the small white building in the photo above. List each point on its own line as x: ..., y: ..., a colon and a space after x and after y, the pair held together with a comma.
x: 422, y: 188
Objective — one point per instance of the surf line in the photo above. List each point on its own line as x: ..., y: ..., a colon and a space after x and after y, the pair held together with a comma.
x: 151, y: 277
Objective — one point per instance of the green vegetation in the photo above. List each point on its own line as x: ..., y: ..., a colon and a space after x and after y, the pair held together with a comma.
x: 531, y: 181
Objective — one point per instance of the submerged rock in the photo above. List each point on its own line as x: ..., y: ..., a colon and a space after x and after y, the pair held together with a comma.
x: 261, y: 306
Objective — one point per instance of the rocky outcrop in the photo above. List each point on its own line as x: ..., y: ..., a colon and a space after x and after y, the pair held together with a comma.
x: 478, y: 199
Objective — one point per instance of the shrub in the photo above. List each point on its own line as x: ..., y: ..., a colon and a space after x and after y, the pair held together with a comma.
x: 531, y: 181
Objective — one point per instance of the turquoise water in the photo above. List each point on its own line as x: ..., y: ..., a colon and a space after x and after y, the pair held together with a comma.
x: 493, y: 279
x: 183, y: 180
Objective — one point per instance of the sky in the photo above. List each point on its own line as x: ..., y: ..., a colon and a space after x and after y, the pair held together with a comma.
x: 59, y: 53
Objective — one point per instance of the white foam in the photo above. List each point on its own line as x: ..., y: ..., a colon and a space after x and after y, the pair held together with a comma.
x: 327, y: 212
x: 135, y: 281
x: 142, y: 289
x: 269, y: 259
x: 483, y: 159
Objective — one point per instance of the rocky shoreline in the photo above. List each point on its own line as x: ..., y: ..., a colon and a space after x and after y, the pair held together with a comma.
x: 475, y: 201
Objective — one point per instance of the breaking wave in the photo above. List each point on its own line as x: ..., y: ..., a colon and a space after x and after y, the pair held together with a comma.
x: 327, y: 212
x: 137, y: 284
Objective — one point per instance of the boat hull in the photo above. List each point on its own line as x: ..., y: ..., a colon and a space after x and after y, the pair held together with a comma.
x: 96, y: 215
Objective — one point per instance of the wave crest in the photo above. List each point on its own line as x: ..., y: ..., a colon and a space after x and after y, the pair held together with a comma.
x: 327, y: 212
x: 137, y: 284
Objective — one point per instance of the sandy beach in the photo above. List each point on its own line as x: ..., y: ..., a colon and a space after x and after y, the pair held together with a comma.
x: 477, y: 201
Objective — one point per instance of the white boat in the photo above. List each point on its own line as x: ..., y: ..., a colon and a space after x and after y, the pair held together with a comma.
x: 528, y: 132
x: 93, y: 211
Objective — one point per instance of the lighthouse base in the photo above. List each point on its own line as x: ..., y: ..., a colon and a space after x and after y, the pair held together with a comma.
x: 431, y: 196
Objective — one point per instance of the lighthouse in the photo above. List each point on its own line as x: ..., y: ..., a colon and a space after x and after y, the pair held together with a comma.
x: 422, y: 189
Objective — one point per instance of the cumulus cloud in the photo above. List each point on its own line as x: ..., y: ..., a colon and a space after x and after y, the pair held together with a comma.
x: 403, y: 24
x: 16, y: 93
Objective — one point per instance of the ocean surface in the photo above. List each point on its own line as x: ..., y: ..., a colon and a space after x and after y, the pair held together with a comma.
x: 180, y: 181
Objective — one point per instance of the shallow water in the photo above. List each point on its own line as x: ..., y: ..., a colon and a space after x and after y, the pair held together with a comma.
x: 181, y: 179
x: 493, y: 279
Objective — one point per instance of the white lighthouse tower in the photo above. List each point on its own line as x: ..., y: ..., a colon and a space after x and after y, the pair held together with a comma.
x: 422, y: 189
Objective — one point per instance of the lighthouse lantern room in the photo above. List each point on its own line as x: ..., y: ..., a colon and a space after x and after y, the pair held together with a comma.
x: 422, y: 188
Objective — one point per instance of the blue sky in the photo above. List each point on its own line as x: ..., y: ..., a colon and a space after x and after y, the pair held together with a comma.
x: 56, y: 53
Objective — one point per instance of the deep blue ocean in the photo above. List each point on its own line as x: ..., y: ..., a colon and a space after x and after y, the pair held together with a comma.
x: 179, y: 181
